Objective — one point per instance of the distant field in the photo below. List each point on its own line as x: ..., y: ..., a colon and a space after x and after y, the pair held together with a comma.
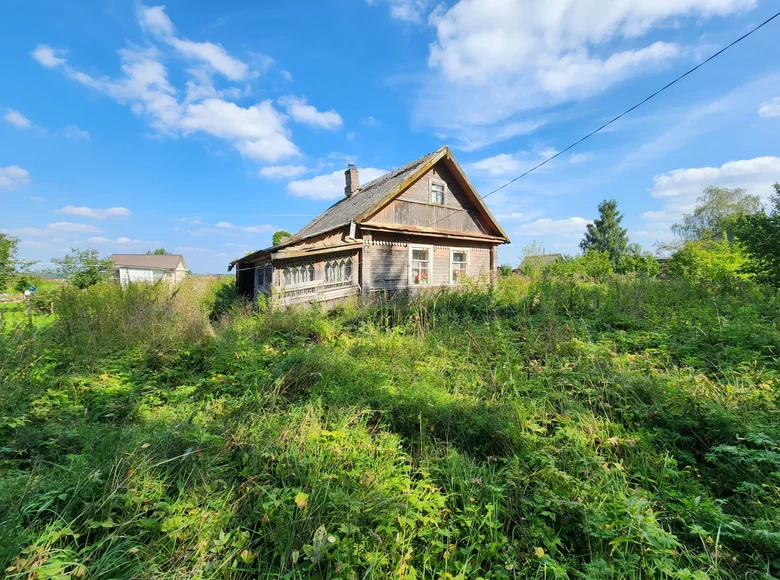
x: 553, y: 427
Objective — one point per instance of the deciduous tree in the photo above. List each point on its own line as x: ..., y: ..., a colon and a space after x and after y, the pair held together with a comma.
x: 717, y: 209
x: 83, y: 268
x: 759, y: 234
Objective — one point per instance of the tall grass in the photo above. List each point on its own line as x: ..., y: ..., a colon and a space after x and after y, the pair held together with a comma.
x: 544, y: 428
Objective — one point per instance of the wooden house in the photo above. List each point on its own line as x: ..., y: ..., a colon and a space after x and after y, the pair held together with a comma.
x: 168, y: 268
x: 420, y: 226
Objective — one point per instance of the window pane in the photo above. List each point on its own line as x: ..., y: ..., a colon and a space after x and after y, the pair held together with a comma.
x: 420, y: 255
x: 459, y: 257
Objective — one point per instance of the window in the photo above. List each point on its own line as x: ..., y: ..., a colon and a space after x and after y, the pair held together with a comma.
x: 262, y: 277
x: 338, y: 270
x: 437, y: 193
x: 459, y: 264
x: 298, y: 274
x: 419, y: 265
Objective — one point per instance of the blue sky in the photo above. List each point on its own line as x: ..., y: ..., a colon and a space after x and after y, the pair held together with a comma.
x: 204, y: 127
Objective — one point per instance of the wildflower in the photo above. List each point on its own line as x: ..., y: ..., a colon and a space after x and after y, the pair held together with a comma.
x: 539, y: 552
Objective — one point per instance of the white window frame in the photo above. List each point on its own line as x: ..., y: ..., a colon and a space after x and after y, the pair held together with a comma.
x: 430, y: 265
x: 431, y: 183
x: 304, y: 263
x: 467, y: 251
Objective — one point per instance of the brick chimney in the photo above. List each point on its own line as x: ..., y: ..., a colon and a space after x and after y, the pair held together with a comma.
x: 352, y: 180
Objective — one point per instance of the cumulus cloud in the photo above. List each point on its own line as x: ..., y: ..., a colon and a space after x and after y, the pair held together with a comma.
x: 13, y: 176
x: 155, y: 21
x: 509, y: 164
x: 258, y: 131
x: 122, y: 241
x: 17, y: 119
x: 73, y: 132
x: 330, y: 186
x: 405, y: 10
x: 511, y: 57
x: 95, y: 213
x: 302, y: 112
x: 258, y: 229
x: 282, y: 171
x: 48, y: 56
x: 74, y: 227
x: 547, y: 226
x: 681, y: 187
x: 771, y: 108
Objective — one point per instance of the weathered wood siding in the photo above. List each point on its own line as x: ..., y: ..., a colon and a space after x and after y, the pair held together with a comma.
x: 414, y: 207
x: 389, y: 260
x: 389, y: 267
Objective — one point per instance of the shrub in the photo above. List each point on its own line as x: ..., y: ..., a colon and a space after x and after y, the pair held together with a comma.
x: 716, y: 263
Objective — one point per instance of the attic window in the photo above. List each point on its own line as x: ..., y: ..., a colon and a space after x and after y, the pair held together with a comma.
x: 437, y: 193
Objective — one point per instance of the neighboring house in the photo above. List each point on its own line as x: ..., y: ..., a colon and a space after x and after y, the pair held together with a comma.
x: 170, y: 268
x: 538, y: 261
x: 422, y: 225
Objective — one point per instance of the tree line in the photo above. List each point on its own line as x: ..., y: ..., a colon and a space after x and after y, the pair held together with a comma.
x: 729, y: 237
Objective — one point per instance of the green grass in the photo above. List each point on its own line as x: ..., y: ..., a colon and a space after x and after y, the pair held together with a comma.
x: 549, y: 428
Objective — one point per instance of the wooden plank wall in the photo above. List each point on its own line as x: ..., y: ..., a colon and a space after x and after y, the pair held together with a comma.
x: 389, y: 264
x: 413, y: 207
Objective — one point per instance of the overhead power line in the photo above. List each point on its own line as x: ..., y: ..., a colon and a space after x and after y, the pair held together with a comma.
x: 624, y: 113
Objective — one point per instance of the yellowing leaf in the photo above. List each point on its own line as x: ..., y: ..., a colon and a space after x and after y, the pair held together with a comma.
x: 301, y: 500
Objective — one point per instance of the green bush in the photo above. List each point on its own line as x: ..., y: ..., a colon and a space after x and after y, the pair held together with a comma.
x: 717, y: 263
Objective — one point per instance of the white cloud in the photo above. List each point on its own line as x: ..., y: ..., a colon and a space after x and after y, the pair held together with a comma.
x: 13, y: 176
x: 282, y: 171
x: 16, y: 118
x: 48, y: 56
x: 682, y: 186
x: 73, y: 132
x: 257, y: 132
x: 95, y: 213
x: 510, y: 164
x: 154, y: 21
x: 406, y: 10
x: 771, y: 108
x: 37, y: 198
x: 547, y: 226
x: 258, y: 229
x: 182, y: 249
x: 73, y: 227
x: 302, y: 112
x: 32, y: 231
x: 494, y: 59
x: 330, y: 186
x: 471, y: 138
x: 191, y: 220
x: 122, y: 241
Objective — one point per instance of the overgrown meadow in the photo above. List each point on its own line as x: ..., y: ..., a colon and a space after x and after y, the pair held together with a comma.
x: 551, y: 427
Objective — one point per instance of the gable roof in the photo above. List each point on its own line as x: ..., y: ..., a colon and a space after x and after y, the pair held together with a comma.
x: 372, y: 196
x: 375, y: 194
x: 156, y: 261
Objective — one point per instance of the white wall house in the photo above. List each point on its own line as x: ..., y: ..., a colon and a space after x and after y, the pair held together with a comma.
x: 169, y: 268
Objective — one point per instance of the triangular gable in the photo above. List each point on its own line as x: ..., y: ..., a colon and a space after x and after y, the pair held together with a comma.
x: 444, y: 155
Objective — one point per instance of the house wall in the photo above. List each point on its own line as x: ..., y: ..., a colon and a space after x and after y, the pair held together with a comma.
x: 140, y: 275
x: 388, y: 256
x: 414, y: 206
x: 319, y: 289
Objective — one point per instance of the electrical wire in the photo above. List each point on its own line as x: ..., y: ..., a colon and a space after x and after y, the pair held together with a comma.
x: 624, y: 113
